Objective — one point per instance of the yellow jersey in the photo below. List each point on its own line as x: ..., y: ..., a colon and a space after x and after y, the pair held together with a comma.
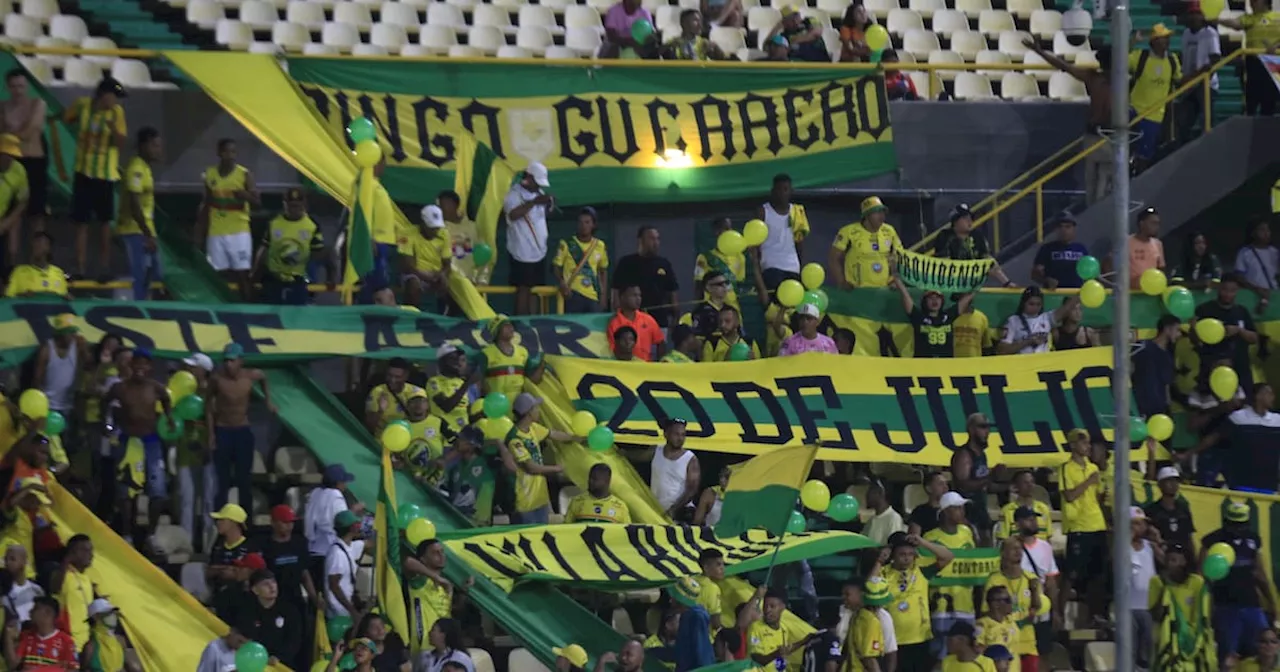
x: 97, y: 134
x: 716, y: 348
x: 958, y: 598
x: 1006, y: 633
x: 389, y: 405
x: 588, y: 509
x: 463, y: 238
x: 76, y: 594
x: 428, y: 603
x: 386, y: 217
x: 228, y: 214
x: 581, y: 265
x: 734, y: 268
x: 910, y: 606
x: 14, y: 187
x: 1021, y: 591
x: 447, y: 386
x: 865, y: 639
x: 1085, y: 513
x: 1008, y: 528
x: 972, y: 334
x: 772, y: 339
x: 140, y: 186
x: 526, y: 446
x: 428, y: 253
x: 289, y: 245
x: 866, y: 254
x: 504, y: 373
x: 764, y: 639
x: 709, y: 597
x: 1252, y: 665
x: 979, y: 664
x: 1149, y: 89
x: 21, y: 532
x: 426, y: 443
x: 29, y: 279
x: 1261, y: 30
x: 8, y: 428
x: 655, y: 642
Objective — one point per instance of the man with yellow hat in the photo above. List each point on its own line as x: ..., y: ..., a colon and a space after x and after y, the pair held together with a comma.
x: 503, y: 361
x: 1153, y: 75
x: 14, y: 193
x: 864, y: 249
x: 803, y: 35
x: 570, y: 658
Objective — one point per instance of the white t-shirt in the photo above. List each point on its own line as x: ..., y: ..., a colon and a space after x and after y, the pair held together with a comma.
x: 1259, y: 267
x: 1020, y: 327
x: 1198, y: 50
x: 216, y: 657
x: 1144, y: 568
x: 882, y: 525
x: 779, y: 248
x: 344, y: 561
x: 527, y: 236
x: 21, y: 599
x: 322, y: 505
x: 1045, y: 565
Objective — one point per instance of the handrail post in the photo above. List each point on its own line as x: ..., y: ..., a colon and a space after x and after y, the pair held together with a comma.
x: 1207, y: 110
x: 1040, y: 213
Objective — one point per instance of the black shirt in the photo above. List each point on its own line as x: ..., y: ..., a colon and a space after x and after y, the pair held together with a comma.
x: 950, y: 246
x: 925, y: 515
x: 704, y: 318
x: 935, y: 336
x: 393, y: 654
x: 656, y: 279
x: 1175, y: 525
x: 1059, y: 260
x: 1153, y: 372
x: 1231, y: 347
x: 1252, y: 459
x: 823, y: 649
x: 288, y: 561
x: 278, y: 628
x: 1238, y: 589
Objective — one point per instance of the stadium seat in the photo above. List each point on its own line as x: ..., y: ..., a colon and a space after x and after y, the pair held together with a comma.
x: 973, y: 8
x: 1063, y: 47
x: 437, y: 38
x: 481, y: 660
x: 68, y: 27
x: 440, y: 14
x: 204, y: 13
x: 290, y: 36
x: 536, y: 16
x: 400, y: 14
x: 366, y: 50
x: 973, y: 86
x: 728, y: 39
x: 417, y: 51
x: 1087, y: 58
x: 305, y: 13
x: 577, y: 16
x: 920, y: 42
x: 1023, y: 8
x: 992, y: 22
x: 389, y: 37
x: 534, y: 39
x: 342, y: 36
x: 515, y: 52
x: 1063, y: 86
x: 1032, y: 58
x: 555, y: 53
x: 835, y: 8
x: 132, y: 73
x: 22, y: 29
x: 667, y: 19
x: 1100, y: 657
x: 48, y: 42
x: 582, y: 41
x: 968, y: 43
x: 1010, y: 42
x: 816, y: 16
x: 651, y: 5
x: 487, y: 39
x: 270, y: 48
x: 457, y: 51
x: 992, y: 57
x: 355, y: 14
x: 928, y: 84
x: 192, y: 579
x: 763, y: 19
x: 319, y: 49
x: 521, y: 659
x: 41, y: 68
x: 945, y: 57
x: 881, y: 8
x: 104, y: 44
x: 513, y: 5
x: 926, y: 8
x: 901, y: 21
x: 41, y: 10
x: 1019, y: 86
x: 601, y: 6
x: 498, y: 17
x: 831, y: 38
x: 948, y: 21
x: 1045, y: 23
x: 914, y: 495
x: 463, y: 4
x: 258, y: 14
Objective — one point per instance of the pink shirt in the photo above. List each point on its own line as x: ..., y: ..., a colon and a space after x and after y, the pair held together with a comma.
x: 797, y: 343
x: 618, y: 21
x: 1144, y: 257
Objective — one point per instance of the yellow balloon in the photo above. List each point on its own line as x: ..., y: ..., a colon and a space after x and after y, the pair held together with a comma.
x: 1212, y: 8
x: 755, y: 232
x: 396, y: 438
x: 1160, y: 427
x: 582, y: 423
x: 1153, y: 282
x: 815, y: 495
x: 367, y: 153
x: 34, y: 404
x: 790, y: 293
x: 1210, y: 331
x: 1092, y: 294
x: 495, y: 429
x: 420, y: 530
x: 877, y: 37
x: 1224, y: 382
x: 1227, y: 551
x: 181, y: 384
x: 813, y: 275
x: 731, y: 243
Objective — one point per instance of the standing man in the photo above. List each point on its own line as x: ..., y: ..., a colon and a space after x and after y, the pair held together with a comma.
x: 1099, y: 168
x: 1153, y: 74
x: 137, y: 225
x: 15, y: 192
x: 527, y: 206
x: 1055, y: 263
x: 462, y: 239
x: 229, y: 193
x: 778, y: 257
x: 1146, y: 251
x: 522, y: 456
x: 450, y: 388
x: 341, y: 564
x: 286, y: 556
x: 863, y: 250
x: 962, y: 243
x: 1154, y: 371
x: 23, y: 115
x: 653, y: 274
x: 1171, y: 514
x: 1240, y: 331
x: 675, y: 474
x: 278, y: 626
x: 291, y: 253
x: 425, y: 258
x: 231, y: 442
x: 581, y: 267
x: 503, y: 361
x: 971, y: 475
x: 1201, y: 50
x: 73, y: 587
x: 99, y: 126
x: 1241, y: 601
x: 59, y: 363
x: 136, y: 418
x: 1084, y: 522
x: 649, y: 334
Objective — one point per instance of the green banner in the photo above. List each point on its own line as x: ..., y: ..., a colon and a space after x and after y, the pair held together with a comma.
x: 943, y: 275
x: 623, y: 133
x: 971, y: 567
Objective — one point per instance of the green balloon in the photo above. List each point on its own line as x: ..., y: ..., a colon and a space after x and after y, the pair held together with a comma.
x: 481, y: 254
x: 796, y: 524
x: 251, y: 657
x: 162, y: 429
x: 739, y: 352
x: 190, y: 407
x: 843, y: 508
x: 641, y: 31
x: 496, y: 405
x: 818, y: 298
x: 1137, y: 429
x: 54, y: 423
x: 407, y: 513
x: 600, y: 439
x: 337, y: 626
x: 346, y: 662
x: 877, y: 55
x: 361, y: 129
x: 1088, y: 267
x: 1216, y: 567
x: 1181, y: 303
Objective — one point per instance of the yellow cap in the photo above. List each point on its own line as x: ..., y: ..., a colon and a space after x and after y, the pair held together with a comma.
x: 231, y: 512
x: 872, y: 204
x: 788, y: 10
x: 65, y: 322
x: 417, y: 393
x: 576, y: 655
x: 10, y: 144
x: 1077, y: 434
x: 1160, y: 30
x: 1238, y: 512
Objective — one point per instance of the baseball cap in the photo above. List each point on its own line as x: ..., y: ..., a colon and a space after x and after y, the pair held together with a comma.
x: 253, y: 561
x: 1024, y: 512
x: 11, y: 144
x: 977, y: 420
x: 962, y: 629
x: 1136, y: 513
x: 231, y: 512
x: 370, y: 644
x: 65, y: 324
x: 201, y: 360
x: 779, y: 41
x: 573, y: 653
x: 998, y: 652
x: 338, y: 474
x: 1168, y: 472
x: 525, y: 403
x: 809, y: 310
x: 233, y: 351
x: 685, y: 591
x: 1160, y: 30
x: 959, y: 211
x: 283, y: 513
x: 1077, y: 435
x: 293, y: 194
x: 110, y: 84
x: 950, y: 500
x: 100, y: 606
x: 432, y: 217
x: 1238, y: 512
x: 539, y: 174
x: 788, y: 10
x: 417, y: 393
x: 471, y: 434
x: 446, y: 350
x: 872, y: 204
x: 345, y: 520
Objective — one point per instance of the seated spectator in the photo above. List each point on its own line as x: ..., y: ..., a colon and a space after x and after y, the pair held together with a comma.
x: 705, y: 316
x: 1028, y: 330
x: 885, y: 520
x: 1199, y: 267
x: 44, y: 646
x: 720, y: 344
x: 726, y: 13
x: 777, y: 49
x: 39, y: 277
x: 624, y: 344
x: 1258, y: 262
x: 807, y: 339
x: 276, y: 624
x: 1071, y: 333
x: 690, y: 45
x: 853, y: 34
x: 711, y: 501
x: 962, y: 652
x: 220, y: 654
x: 845, y: 340
x: 662, y: 643
x: 390, y: 401
x: 925, y: 516
x: 1268, y: 653
x: 973, y: 337
x: 998, y: 627
x: 363, y: 653
x: 897, y: 85
x: 391, y: 653
x: 446, y: 647
x: 618, y: 42
x: 1055, y: 263
x: 425, y: 257
x: 598, y: 504
x: 803, y: 35
x: 685, y: 346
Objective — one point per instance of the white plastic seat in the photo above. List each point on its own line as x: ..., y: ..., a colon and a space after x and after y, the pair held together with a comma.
x: 1032, y: 58
x: 417, y: 51
x: 537, y: 16
x: 132, y: 73
x: 1063, y: 47
x: 521, y: 659
x: 728, y: 39
x: 22, y: 29
x: 992, y: 57
x: 881, y: 8
x: 369, y: 50
x: 498, y: 17
x: 1087, y: 58
x: 926, y: 8
x: 270, y: 48
x: 1011, y: 42
x: 515, y: 52
x: 948, y: 21
x: 388, y: 36
x: 973, y: 8
x: 1045, y: 23
x: 487, y: 39
x: 48, y: 42
x: 555, y: 53
x: 258, y: 14
x: 68, y: 27
x: 833, y: 7
x: 903, y: 20
x: 290, y: 36
x: 319, y: 49
x: 1100, y: 657
x: 973, y: 86
x: 1063, y: 86
x: 651, y: 5
x: 577, y: 16
x: 355, y: 14
x: 481, y: 660
x: 41, y: 10
x: 1023, y: 8
x: 831, y: 38
x: 763, y: 19
x: 341, y: 36
x: 458, y: 51
x: 1019, y: 86
x: 601, y: 6
x: 233, y: 34
x: 204, y: 13
x: 920, y: 42
x: 463, y: 4
x: 992, y: 22
x: 40, y: 68
x: 557, y: 6
x: 582, y: 41
x: 400, y: 14
x: 80, y: 72
x: 441, y: 14
x: 533, y: 39
x: 968, y: 43
x: 945, y: 57
x: 513, y: 5
x: 816, y: 16
x: 667, y: 18
x: 104, y: 44
x: 437, y: 38
x: 305, y: 13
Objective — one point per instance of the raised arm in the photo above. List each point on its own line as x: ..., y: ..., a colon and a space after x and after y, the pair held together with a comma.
x: 1079, y: 73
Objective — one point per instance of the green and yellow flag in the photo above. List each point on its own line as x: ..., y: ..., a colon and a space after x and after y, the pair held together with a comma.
x: 482, y: 180
x: 388, y: 582
x: 360, y: 229
x: 763, y: 491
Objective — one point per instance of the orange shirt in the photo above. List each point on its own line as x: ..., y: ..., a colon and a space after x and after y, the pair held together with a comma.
x: 1144, y: 256
x: 648, y: 333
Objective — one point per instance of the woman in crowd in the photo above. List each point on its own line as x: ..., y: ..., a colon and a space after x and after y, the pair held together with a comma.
x: 1071, y: 333
x: 853, y: 34
x: 391, y: 655
x: 1268, y: 657
x: 709, y: 503
x: 446, y: 647
x: 1029, y: 328
x: 1199, y: 267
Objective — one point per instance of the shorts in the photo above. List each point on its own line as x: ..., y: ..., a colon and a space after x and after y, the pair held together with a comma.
x: 379, y: 277
x: 526, y: 273
x: 774, y: 276
x: 1148, y: 137
x: 92, y: 199
x: 140, y: 463
x: 232, y: 252
x: 1238, y: 629
x: 1086, y: 559
x: 37, y: 185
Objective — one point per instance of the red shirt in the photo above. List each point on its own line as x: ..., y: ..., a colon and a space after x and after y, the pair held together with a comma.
x: 648, y: 333
x: 54, y: 652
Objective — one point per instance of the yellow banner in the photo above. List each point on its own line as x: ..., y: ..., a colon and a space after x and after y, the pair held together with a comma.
x: 862, y: 409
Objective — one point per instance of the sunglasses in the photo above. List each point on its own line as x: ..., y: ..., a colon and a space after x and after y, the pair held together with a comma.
x: 1001, y: 600
x: 720, y: 283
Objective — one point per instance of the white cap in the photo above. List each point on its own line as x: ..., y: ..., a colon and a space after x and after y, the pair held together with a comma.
x: 539, y: 174
x: 809, y: 309
x: 99, y: 607
x: 201, y: 360
x: 1167, y: 472
x: 951, y: 499
x: 445, y: 350
x: 433, y: 217
x: 1136, y: 513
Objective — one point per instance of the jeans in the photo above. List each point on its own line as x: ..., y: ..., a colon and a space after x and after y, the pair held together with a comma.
x: 144, y: 266
x: 1237, y: 629
x: 538, y: 516
x: 578, y: 304
x: 1143, y: 637
x: 188, y: 497
x: 234, y: 453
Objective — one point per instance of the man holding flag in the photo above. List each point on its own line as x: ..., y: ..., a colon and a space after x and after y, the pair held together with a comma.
x: 371, y: 237
x: 388, y: 582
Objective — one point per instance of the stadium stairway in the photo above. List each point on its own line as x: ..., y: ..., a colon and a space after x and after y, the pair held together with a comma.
x: 133, y: 25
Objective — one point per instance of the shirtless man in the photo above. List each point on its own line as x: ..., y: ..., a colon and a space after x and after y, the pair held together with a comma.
x: 227, y: 411
x: 139, y: 451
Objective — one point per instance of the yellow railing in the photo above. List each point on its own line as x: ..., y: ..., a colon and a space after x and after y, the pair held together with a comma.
x: 1036, y: 188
